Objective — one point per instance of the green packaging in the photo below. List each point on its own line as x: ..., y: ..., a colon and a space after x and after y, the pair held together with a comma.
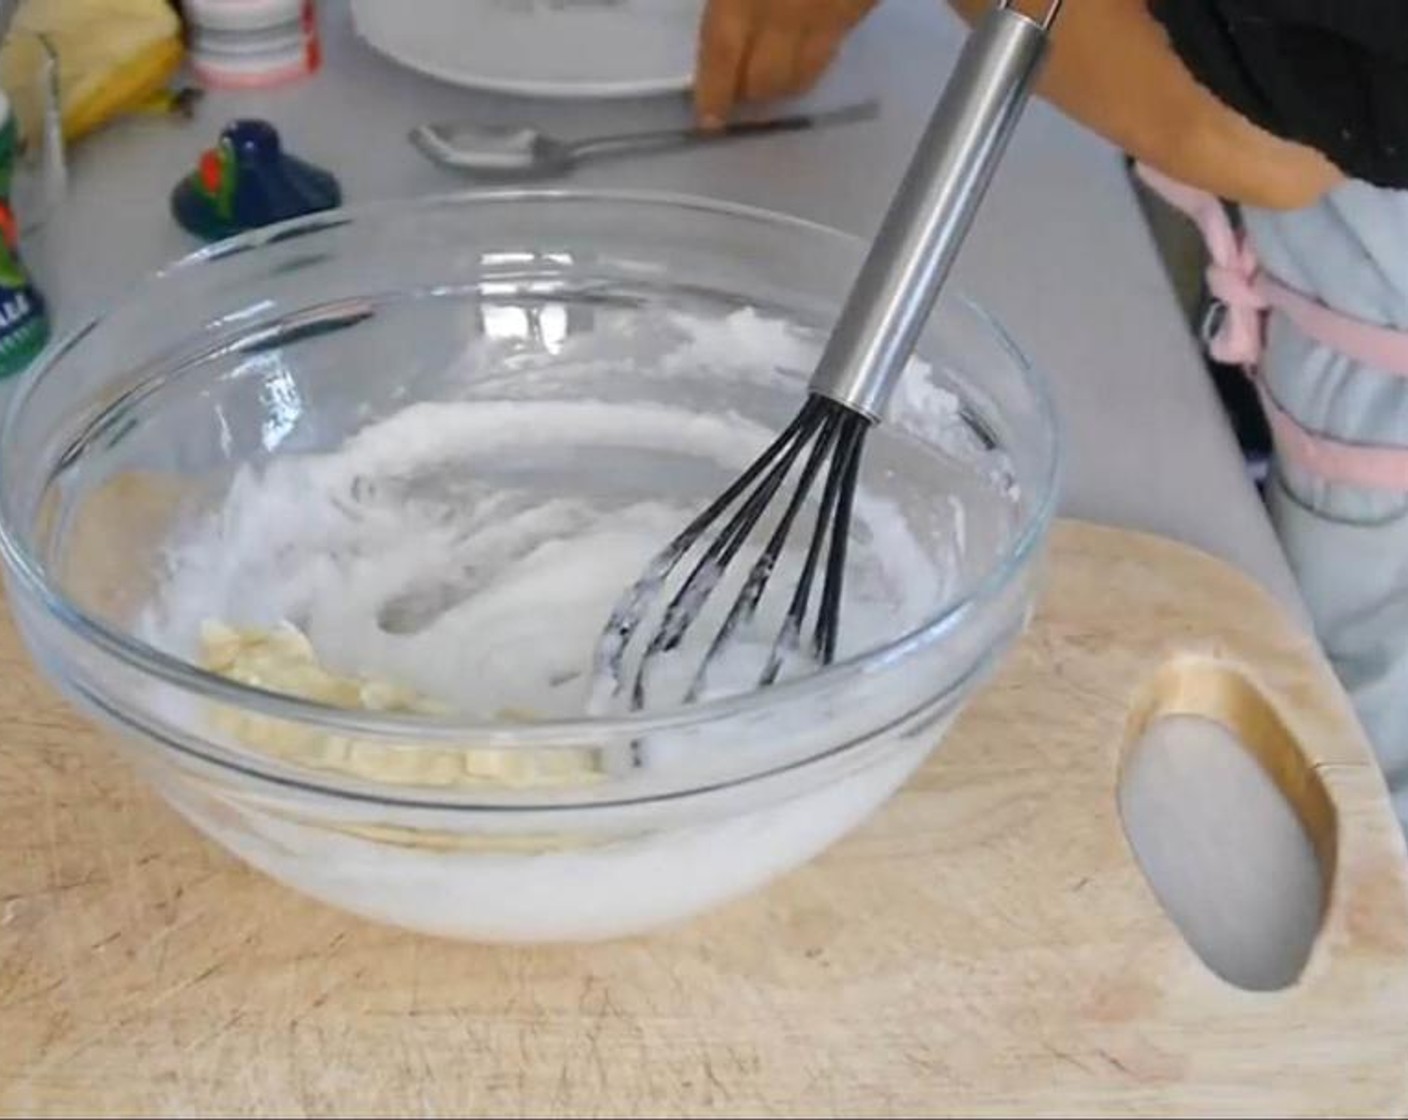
x: 24, y: 318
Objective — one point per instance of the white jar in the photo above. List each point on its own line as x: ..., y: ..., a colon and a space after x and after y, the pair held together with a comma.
x: 252, y: 43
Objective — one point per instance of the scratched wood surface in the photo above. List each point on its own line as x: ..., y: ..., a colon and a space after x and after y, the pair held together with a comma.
x: 986, y: 945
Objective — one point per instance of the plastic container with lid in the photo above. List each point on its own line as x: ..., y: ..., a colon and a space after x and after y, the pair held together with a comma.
x: 252, y: 43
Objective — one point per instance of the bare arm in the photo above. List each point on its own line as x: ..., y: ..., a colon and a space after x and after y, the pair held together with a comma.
x: 1112, y: 69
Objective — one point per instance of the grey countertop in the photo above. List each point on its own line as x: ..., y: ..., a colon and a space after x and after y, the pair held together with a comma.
x: 1061, y: 254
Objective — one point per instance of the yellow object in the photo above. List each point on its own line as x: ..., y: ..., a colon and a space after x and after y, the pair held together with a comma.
x: 114, y: 56
x: 283, y: 660
x: 168, y: 100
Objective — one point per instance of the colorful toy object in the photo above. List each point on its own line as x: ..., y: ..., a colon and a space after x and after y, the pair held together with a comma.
x: 246, y: 181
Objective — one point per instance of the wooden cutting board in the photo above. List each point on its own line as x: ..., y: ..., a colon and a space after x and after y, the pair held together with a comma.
x: 986, y: 944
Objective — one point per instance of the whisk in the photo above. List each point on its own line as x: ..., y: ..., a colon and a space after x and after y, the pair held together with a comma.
x: 872, y: 341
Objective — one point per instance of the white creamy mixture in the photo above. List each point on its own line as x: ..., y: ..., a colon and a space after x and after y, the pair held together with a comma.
x: 399, y: 561
x: 484, y: 598
x: 428, y: 564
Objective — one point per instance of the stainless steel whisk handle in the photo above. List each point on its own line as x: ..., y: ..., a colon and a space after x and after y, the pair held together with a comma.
x: 933, y: 210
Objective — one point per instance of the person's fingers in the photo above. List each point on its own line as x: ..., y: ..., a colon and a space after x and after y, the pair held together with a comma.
x: 813, y: 58
x: 723, y: 50
x: 768, y: 71
x: 762, y: 50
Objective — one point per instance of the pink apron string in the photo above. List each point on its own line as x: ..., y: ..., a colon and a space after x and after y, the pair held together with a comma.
x: 1368, y: 465
x: 1381, y: 348
x: 1232, y: 272
x: 1246, y: 294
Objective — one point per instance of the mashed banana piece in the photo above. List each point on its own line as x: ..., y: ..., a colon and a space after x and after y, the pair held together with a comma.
x: 282, y: 659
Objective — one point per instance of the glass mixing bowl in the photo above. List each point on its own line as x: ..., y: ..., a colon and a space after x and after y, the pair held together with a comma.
x: 285, y: 342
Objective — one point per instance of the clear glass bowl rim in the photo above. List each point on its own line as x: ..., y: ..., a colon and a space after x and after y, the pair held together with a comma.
x: 32, y: 578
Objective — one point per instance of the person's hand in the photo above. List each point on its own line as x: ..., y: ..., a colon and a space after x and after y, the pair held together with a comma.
x: 759, y: 50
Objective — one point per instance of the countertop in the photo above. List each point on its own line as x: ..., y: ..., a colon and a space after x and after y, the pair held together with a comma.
x: 1061, y: 254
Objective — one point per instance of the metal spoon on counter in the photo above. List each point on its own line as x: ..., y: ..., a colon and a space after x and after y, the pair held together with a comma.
x: 490, y: 151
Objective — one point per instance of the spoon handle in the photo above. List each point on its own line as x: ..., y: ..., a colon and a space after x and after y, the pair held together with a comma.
x: 631, y: 143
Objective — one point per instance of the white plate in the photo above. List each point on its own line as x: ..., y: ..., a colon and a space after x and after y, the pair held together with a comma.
x: 540, y: 48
